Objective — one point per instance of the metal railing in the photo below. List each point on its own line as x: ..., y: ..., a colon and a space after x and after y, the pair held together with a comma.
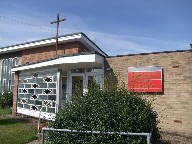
x: 148, y: 135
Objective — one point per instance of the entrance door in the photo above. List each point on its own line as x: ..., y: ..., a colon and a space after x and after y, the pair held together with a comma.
x: 77, y: 84
x: 81, y: 80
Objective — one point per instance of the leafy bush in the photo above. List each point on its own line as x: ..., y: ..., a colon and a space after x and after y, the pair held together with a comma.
x: 6, y: 99
x: 106, y: 111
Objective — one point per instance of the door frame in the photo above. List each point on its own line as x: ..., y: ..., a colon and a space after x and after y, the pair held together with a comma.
x: 85, y: 76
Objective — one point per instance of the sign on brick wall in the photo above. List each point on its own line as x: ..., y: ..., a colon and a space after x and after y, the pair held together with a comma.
x: 145, y: 79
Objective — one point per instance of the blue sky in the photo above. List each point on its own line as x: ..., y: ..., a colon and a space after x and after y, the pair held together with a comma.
x: 117, y: 27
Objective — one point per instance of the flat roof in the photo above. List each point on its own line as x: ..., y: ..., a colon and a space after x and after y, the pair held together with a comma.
x: 149, y: 53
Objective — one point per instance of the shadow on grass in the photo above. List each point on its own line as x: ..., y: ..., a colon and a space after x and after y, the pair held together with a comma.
x: 9, y: 121
x: 13, y: 121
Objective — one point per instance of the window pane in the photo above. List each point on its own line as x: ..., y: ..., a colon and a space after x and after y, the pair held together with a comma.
x: 77, y: 85
x: 52, y: 85
x: 4, y: 85
x: 9, y: 85
x: 6, y: 74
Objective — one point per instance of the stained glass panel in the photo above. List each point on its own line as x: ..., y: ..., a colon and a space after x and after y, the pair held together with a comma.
x: 33, y: 107
x: 35, y: 85
x: 25, y: 81
x: 38, y: 90
x: 47, y: 79
x: 23, y: 101
x: 24, y: 91
x: 34, y: 96
x: 47, y: 103
x: 35, y: 75
x: 47, y: 91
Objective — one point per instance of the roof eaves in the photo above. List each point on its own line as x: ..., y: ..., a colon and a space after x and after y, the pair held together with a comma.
x: 41, y: 40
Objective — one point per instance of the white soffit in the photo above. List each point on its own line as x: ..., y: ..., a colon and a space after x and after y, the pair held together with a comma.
x: 93, y: 46
x: 90, y: 58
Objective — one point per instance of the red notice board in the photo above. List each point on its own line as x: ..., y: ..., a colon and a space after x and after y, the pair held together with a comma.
x: 145, y: 79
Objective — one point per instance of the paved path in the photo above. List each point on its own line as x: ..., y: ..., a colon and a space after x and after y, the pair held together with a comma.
x: 35, y: 142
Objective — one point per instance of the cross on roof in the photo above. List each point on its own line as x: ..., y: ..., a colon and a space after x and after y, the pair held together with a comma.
x: 57, y: 22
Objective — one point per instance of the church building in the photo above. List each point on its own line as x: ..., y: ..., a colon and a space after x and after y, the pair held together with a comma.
x: 42, y: 77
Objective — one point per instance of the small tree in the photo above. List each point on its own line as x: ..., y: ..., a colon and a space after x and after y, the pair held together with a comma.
x: 6, y: 99
x: 106, y: 111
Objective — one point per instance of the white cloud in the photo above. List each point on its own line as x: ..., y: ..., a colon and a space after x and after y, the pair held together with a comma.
x: 14, y: 32
x: 117, y: 44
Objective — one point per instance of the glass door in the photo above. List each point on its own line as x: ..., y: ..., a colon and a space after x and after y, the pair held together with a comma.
x: 64, y: 90
x: 81, y: 80
x: 77, y: 84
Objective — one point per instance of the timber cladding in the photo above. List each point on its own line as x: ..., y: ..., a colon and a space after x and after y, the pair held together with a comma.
x: 175, y: 102
x: 43, y: 53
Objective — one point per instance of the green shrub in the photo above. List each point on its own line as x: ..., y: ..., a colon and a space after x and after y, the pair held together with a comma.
x: 106, y: 111
x: 6, y: 99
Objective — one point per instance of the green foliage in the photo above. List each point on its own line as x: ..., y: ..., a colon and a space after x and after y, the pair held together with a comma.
x: 6, y: 99
x: 106, y: 111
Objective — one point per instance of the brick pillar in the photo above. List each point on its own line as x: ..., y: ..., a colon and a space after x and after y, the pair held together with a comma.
x: 15, y: 93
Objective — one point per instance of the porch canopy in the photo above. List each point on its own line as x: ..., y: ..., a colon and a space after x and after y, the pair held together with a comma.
x: 70, y: 60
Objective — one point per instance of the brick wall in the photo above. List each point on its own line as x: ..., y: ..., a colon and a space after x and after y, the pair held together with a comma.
x: 176, y: 101
x: 43, y: 53
x: 15, y: 93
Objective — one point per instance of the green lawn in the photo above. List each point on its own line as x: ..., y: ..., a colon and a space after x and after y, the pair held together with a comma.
x: 15, y: 130
x: 4, y: 111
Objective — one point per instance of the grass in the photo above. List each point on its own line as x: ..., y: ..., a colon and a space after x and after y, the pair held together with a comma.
x: 5, y: 111
x: 15, y: 130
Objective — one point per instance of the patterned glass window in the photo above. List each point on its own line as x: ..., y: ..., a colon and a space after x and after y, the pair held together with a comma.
x: 7, y: 77
x: 34, y: 96
x: 38, y: 91
x: 47, y: 79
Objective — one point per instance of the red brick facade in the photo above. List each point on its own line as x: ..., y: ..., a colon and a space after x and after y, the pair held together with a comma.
x: 15, y: 93
x: 43, y: 53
